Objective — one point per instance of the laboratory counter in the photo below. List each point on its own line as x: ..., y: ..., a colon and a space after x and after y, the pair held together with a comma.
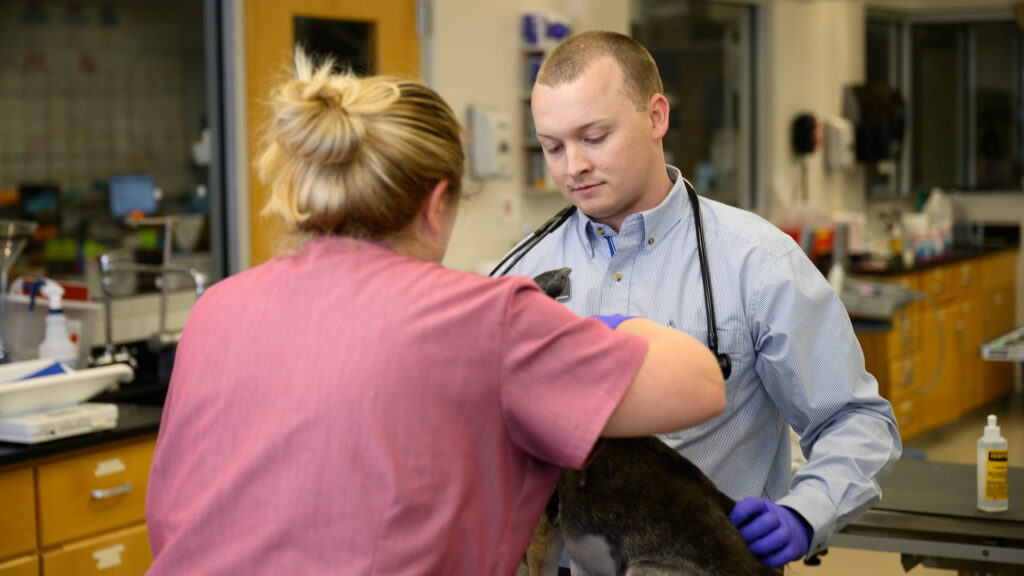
x: 958, y: 254
x: 929, y: 514
x: 132, y: 420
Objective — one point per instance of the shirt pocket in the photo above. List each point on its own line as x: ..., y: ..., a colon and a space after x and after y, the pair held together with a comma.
x: 741, y: 383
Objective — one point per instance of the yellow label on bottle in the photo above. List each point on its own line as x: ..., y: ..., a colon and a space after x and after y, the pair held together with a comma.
x: 996, y: 475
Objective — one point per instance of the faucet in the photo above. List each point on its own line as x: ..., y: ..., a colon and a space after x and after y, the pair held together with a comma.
x: 162, y: 338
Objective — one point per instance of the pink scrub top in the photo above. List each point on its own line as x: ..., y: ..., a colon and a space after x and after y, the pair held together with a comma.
x: 348, y: 410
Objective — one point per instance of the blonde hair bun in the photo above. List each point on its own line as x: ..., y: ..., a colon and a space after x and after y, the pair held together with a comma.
x: 355, y: 156
x: 323, y: 117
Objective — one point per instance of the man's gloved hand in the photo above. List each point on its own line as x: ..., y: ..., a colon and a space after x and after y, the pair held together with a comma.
x: 614, y: 320
x: 775, y: 534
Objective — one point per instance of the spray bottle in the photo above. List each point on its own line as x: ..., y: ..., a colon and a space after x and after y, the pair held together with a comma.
x: 993, y: 467
x: 56, y: 344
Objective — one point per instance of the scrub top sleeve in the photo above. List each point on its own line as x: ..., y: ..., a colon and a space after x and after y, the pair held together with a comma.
x: 561, y: 376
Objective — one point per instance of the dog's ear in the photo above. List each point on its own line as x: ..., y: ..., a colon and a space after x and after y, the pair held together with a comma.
x: 554, y: 283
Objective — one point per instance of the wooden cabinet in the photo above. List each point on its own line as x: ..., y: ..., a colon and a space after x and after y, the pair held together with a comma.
x: 78, y: 513
x: 18, y: 528
x: 120, y: 553
x: 929, y: 364
x: 93, y: 493
x: 24, y: 566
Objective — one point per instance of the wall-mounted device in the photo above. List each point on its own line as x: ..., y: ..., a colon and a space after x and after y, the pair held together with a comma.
x: 805, y: 137
x: 490, y: 148
x: 879, y: 118
x: 132, y: 193
x: 839, y: 142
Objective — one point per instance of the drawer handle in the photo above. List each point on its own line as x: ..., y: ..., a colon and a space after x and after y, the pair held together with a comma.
x: 111, y: 492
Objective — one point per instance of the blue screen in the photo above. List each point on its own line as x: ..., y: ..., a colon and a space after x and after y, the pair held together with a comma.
x: 130, y: 193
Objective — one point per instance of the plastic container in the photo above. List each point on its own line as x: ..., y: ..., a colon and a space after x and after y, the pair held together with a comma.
x: 57, y: 344
x: 993, y: 470
x: 23, y: 328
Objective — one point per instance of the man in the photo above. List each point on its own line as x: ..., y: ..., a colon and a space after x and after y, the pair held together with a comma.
x: 600, y: 116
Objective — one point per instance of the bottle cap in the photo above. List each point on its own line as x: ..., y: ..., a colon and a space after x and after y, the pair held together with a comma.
x: 992, y: 430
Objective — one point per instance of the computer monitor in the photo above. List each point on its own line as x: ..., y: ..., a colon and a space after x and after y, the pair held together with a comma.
x: 131, y: 193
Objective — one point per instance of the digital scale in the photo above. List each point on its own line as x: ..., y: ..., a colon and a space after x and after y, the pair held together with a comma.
x: 54, y: 423
x: 39, y: 402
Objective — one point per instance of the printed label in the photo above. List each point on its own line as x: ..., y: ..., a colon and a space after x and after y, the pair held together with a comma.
x: 996, y: 487
x: 112, y: 466
x: 108, y: 557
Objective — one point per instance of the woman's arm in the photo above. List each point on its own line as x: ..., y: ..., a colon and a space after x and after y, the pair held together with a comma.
x: 679, y: 384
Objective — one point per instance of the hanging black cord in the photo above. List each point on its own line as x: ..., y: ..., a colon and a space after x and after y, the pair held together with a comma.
x: 724, y: 361
x: 535, y: 238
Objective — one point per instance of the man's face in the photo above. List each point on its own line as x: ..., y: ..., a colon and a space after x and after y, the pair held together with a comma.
x: 604, y: 154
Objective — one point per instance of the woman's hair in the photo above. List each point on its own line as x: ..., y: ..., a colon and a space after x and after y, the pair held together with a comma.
x: 571, y: 58
x: 351, y: 156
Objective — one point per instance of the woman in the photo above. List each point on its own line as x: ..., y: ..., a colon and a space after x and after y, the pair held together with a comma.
x: 356, y: 408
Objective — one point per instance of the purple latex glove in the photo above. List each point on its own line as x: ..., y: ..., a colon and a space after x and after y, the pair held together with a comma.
x: 775, y: 534
x: 614, y: 320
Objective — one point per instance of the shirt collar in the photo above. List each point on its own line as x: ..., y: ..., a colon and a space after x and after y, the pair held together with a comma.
x: 655, y: 223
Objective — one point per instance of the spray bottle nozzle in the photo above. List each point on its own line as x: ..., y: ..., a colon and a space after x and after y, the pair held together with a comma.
x: 48, y: 288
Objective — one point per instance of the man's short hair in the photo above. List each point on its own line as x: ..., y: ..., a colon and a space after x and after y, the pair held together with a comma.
x: 571, y: 58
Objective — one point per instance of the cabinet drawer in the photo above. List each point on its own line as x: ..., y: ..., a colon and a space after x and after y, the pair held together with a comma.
x: 999, y: 270
x: 122, y: 553
x: 951, y: 280
x: 18, y: 528
x: 906, y: 408
x: 24, y: 566
x: 94, y: 492
x: 903, y: 376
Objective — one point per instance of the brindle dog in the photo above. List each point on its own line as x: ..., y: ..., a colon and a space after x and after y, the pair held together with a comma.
x: 639, y: 508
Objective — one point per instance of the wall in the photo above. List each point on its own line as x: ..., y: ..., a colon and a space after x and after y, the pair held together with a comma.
x: 813, y: 50
x: 479, y: 64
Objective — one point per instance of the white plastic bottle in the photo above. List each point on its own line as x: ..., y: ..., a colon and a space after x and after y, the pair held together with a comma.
x: 993, y: 470
x: 56, y: 344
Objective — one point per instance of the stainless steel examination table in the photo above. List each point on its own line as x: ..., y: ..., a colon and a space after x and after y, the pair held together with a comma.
x: 928, y: 513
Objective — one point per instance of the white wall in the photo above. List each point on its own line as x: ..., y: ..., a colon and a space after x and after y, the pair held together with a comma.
x: 477, y: 61
x: 813, y: 50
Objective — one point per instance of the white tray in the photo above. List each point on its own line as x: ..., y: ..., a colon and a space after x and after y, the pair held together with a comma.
x: 59, y: 389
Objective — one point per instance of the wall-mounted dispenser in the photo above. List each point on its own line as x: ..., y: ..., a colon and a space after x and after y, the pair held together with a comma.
x: 490, y: 149
x: 839, y: 142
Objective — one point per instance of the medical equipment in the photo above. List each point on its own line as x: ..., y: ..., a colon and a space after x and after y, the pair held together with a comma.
x: 724, y: 360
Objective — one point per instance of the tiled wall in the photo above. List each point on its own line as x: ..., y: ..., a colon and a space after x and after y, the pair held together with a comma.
x: 90, y: 89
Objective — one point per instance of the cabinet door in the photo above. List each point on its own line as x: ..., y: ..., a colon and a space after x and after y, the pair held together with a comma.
x: 122, y: 553
x: 938, y: 379
x: 973, y: 315
x: 18, y: 513
x: 24, y: 566
x: 998, y: 318
x: 93, y: 493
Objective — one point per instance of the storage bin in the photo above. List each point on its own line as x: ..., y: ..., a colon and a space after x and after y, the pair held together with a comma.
x: 23, y: 328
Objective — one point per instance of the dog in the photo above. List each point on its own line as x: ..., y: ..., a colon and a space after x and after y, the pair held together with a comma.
x: 639, y: 508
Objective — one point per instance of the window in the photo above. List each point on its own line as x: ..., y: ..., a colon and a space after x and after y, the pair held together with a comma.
x: 92, y: 93
x: 884, y: 45
x: 966, y: 109
x: 705, y: 53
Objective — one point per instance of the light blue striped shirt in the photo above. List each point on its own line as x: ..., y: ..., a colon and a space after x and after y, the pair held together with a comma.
x: 794, y: 354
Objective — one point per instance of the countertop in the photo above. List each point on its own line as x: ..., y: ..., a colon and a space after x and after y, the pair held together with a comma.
x: 133, y: 420
x: 958, y: 254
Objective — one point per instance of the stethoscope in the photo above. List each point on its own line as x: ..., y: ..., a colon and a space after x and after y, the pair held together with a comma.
x: 724, y: 361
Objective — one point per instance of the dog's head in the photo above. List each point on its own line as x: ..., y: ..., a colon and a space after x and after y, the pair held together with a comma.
x: 554, y: 283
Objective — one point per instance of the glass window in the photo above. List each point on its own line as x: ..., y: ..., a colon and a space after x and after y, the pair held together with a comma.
x: 95, y: 95
x: 705, y: 53
x: 967, y: 105
x: 883, y: 68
